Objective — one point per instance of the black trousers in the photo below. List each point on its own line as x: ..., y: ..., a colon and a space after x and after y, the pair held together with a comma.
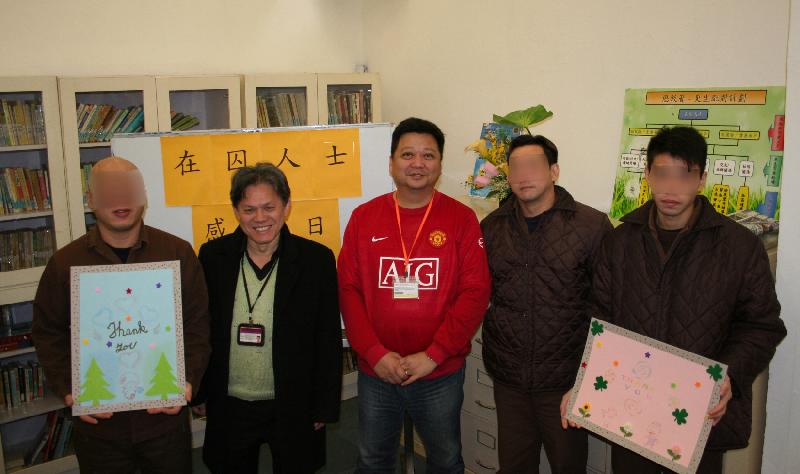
x: 169, y: 453
x: 526, y: 422
x: 625, y: 461
x: 235, y: 431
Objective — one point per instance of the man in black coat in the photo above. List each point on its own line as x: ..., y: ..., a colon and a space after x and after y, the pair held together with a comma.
x: 276, y: 365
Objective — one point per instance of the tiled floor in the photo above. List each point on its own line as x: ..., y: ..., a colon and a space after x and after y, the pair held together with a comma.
x: 342, y: 441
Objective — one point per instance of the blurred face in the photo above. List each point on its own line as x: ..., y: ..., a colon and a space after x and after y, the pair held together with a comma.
x: 674, y: 187
x: 261, y: 214
x: 416, y: 163
x: 117, y: 199
x: 529, y: 173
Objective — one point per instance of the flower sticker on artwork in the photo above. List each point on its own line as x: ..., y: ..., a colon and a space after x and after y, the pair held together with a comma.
x: 597, y: 328
x: 715, y: 371
x: 680, y: 415
x: 627, y: 430
x: 584, y: 410
x: 600, y: 383
x: 674, y: 452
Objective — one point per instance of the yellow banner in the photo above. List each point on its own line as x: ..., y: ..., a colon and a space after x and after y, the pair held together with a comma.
x: 317, y: 220
x: 721, y: 97
x: 319, y: 164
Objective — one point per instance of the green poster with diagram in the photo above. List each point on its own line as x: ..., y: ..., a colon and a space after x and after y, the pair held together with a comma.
x: 743, y: 127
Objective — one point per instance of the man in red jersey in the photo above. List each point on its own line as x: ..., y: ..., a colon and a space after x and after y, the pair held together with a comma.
x: 413, y: 287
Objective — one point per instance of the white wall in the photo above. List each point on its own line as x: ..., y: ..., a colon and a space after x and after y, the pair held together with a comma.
x: 457, y: 62
x: 94, y: 37
x: 781, y: 453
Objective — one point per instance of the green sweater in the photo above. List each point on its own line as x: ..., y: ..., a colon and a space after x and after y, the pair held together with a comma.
x: 250, y: 367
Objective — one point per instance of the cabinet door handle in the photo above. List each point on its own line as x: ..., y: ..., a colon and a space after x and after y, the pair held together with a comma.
x: 483, y: 405
x: 479, y: 463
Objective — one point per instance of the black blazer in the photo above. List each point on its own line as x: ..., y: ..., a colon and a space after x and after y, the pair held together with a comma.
x: 307, y: 334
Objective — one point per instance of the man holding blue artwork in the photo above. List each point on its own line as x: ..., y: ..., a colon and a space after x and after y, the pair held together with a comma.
x: 677, y: 271
x: 155, y: 440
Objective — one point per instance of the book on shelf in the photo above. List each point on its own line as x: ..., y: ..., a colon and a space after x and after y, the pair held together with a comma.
x: 54, y: 441
x: 98, y: 122
x: 86, y: 171
x: 349, y: 363
x: 21, y: 123
x: 26, y: 248
x: 349, y: 106
x: 180, y: 121
x: 282, y: 109
x: 24, y: 190
x: 23, y: 382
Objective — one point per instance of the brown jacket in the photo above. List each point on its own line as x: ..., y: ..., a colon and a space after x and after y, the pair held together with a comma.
x: 51, y: 323
x: 712, y: 293
x: 536, y: 325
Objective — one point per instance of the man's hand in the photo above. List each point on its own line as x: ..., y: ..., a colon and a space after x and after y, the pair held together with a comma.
x: 564, y: 422
x: 389, y: 369
x: 416, y: 366
x: 91, y: 419
x: 173, y: 410
x: 199, y: 410
x: 725, y: 396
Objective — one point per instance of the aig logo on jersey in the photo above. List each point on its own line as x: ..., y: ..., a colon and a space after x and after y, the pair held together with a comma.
x: 424, y: 270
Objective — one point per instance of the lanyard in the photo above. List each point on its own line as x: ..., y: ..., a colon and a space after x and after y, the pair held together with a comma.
x: 252, y: 306
x: 407, y: 254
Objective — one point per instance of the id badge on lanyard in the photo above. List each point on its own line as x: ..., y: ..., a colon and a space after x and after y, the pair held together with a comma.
x: 407, y: 287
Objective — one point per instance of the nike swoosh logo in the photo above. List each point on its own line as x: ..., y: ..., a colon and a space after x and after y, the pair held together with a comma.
x: 378, y: 239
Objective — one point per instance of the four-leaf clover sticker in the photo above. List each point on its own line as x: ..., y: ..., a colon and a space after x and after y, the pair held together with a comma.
x: 680, y: 415
x: 600, y: 383
x: 597, y: 328
x: 715, y: 371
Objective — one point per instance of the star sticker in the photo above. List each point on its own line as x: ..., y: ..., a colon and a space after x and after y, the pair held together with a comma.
x: 599, y: 343
x: 647, y: 355
x: 85, y: 342
x: 128, y: 317
x: 674, y: 385
x: 616, y: 363
x: 698, y: 384
x: 128, y: 291
x: 97, y: 290
x: 167, y: 328
x: 108, y: 344
x: 158, y: 285
x: 583, y: 364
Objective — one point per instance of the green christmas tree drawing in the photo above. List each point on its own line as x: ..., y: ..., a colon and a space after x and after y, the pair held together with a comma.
x: 163, y: 382
x: 94, y: 386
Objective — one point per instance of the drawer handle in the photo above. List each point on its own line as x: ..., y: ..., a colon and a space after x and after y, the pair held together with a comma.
x: 483, y: 405
x: 479, y: 463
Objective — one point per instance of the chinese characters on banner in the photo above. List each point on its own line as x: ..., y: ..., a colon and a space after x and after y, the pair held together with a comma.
x: 321, y: 166
x: 314, y: 220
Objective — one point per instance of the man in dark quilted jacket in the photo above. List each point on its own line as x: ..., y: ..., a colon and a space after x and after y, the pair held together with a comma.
x: 540, y: 244
x: 677, y: 271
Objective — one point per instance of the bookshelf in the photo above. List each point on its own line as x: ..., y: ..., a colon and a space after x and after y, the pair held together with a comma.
x: 31, y: 155
x: 93, y: 109
x: 198, y: 102
x: 268, y: 100
x: 23, y: 424
x: 349, y: 98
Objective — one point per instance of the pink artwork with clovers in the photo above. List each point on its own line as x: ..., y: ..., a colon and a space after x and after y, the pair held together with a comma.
x: 646, y: 395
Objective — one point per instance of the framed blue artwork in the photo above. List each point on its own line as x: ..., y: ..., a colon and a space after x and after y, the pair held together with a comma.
x: 127, y: 337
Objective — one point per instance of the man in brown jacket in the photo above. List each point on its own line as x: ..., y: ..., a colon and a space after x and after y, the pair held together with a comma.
x: 540, y: 244
x: 679, y: 272
x: 156, y: 440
